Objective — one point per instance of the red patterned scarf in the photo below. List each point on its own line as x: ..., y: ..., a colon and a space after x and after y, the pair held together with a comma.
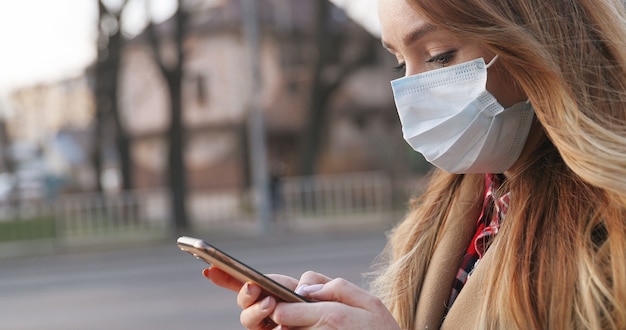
x: 492, y: 214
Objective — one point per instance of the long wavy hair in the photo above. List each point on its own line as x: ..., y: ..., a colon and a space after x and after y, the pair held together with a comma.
x: 562, y: 248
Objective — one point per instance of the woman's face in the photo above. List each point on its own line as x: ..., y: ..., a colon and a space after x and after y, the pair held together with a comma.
x: 420, y: 46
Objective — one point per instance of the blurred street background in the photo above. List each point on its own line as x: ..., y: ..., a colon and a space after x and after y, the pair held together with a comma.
x: 157, y: 286
x: 267, y: 125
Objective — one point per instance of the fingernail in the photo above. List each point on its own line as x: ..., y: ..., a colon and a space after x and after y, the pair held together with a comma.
x: 305, y: 289
x: 247, y: 289
x: 266, y: 303
x: 312, y: 288
x: 205, y: 272
x: 300, y: 288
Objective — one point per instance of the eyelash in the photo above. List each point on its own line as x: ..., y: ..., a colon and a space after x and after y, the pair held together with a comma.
x: 400, y: 68
x: 442, y: 59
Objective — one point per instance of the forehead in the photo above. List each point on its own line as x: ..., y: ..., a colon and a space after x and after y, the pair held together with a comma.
x: 397, y: 20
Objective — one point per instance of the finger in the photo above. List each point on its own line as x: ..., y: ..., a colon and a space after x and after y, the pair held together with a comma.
x: 311, y: 281
x: 222, y: 279
x: 248, y: 295
x: 347, y: 293
x: 251, y: 292
x: 304, y: 315
x: 255, y: 316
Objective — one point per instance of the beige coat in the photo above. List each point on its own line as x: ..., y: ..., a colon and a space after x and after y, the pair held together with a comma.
x: 443, y: 269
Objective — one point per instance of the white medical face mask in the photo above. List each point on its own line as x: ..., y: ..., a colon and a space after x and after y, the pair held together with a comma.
x: 449, y: 116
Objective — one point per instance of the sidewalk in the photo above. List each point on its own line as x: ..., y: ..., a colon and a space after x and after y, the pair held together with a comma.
x: 220, y: 232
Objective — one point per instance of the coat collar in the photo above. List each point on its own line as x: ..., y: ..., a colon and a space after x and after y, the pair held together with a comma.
x: 455, y: 236
x: 464, y: 314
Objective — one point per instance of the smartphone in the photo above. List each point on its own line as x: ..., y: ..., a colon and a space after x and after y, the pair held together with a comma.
x: 235, y: 268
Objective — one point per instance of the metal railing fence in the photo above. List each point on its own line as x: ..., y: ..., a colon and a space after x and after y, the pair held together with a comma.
x: 336, y: 195
x: 86, y: 216
x: 90, y: 217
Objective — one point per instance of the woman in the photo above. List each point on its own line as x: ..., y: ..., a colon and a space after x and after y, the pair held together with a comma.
x: 524, y: 223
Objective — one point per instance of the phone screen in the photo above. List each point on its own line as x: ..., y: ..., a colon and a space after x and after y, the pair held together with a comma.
x: 235, y: 268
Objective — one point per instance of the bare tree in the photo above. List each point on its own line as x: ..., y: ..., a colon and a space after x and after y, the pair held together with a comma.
x: 110, y: 43
x: 335, y: 61
x: 172, y: 72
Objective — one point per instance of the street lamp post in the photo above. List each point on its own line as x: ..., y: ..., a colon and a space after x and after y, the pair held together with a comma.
x: 256, y: 130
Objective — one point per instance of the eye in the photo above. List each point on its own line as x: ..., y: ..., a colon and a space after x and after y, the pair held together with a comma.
x: 400, y: 68
x: 442, y: 59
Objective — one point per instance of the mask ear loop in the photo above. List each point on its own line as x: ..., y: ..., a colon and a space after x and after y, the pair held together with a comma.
x: 493, y: 60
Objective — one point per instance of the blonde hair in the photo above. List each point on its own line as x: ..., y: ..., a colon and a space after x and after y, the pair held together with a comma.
x: 566, y: 227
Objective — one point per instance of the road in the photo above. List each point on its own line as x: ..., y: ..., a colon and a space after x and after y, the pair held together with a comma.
x: 160, y: 287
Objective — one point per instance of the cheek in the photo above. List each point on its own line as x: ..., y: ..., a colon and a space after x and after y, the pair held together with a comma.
x: 504, y: 88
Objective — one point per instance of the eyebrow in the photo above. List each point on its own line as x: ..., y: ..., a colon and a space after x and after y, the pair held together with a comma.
x: 415, y: 35
x: 418, y: 34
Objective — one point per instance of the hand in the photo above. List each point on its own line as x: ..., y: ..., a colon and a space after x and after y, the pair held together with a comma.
x: 339, y: 305
x: 249, y: 298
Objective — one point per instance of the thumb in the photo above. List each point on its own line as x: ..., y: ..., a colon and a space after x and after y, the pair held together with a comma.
x: 342, y: 291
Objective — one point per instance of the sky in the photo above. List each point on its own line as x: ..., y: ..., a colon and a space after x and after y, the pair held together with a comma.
x: 32, y: 48
x: 48, y: 40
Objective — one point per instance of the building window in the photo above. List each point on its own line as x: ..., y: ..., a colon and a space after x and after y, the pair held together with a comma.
x: 201, y: 89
